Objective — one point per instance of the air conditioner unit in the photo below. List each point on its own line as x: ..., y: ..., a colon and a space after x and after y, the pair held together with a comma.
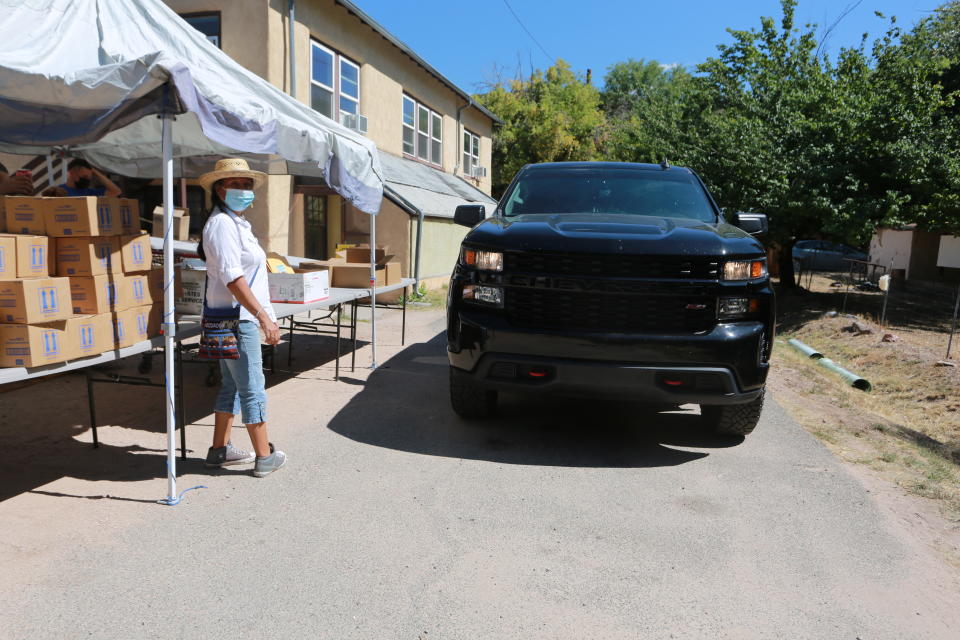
x: 479, y: 172
x: 354, y: 121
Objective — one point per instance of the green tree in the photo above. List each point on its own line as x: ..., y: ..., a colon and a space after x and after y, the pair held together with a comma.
x: 553, y: 116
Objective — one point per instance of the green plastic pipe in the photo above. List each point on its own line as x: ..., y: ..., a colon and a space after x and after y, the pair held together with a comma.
x: 852, y: 379
x: 804, y: 349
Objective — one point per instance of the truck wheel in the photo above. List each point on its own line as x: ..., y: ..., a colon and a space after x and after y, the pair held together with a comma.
x: 469, y: 400
x: 733, y: 419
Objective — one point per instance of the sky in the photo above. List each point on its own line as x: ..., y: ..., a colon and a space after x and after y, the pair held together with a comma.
x: 476, y: 43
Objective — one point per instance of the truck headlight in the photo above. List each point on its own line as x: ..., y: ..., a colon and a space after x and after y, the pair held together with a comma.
x: 744, y: 269
x: 737, y: 307
x: 483, y: 260
x: 486, y: 295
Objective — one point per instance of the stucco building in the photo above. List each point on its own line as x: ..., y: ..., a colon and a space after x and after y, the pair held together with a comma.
x: 434, y: 140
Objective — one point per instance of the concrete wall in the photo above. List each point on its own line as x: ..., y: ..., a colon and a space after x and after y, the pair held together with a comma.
x: 441, y: 247
x: 892, y: 246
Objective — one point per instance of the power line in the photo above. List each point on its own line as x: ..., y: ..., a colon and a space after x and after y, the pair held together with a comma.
x: 522, y: 26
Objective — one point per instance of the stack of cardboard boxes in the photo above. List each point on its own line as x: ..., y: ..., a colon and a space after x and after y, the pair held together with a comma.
x: 76, y: 279
x: 350, y: 269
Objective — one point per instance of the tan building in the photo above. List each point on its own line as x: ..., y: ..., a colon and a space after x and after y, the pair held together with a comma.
x: 434, y: 141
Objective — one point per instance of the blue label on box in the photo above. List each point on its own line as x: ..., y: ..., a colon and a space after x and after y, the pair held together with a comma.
x: 48, y: 300
x: 51, y: 343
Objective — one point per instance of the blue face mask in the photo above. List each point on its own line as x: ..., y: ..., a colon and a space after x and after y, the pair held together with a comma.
x: 238, y: 199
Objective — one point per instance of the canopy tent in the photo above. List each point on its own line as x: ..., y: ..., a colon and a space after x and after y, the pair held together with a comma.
x: 106, y: 79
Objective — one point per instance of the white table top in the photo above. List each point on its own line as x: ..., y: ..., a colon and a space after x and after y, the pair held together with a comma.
x: 188, y: 326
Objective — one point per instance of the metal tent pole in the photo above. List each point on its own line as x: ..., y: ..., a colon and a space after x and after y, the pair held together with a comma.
x: 373, y: 291
x: 169, y: 324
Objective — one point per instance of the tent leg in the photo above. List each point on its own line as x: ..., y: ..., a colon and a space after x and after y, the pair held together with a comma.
x: 353, y: 335
x: 169, y: 325
x: 373, y: 292
x: 403, y: 324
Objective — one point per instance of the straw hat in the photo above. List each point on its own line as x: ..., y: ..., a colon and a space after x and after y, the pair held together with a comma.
x: 232, y: 168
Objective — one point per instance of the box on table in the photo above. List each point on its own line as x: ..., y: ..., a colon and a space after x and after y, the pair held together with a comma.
x: 356, y: 275
x: 136, y: 324
x: 98, y: 294
x: 181, y: 223
x: 82, y: 216
x: 29, y: 257
x: 189, y: 290
x: 33, y: 300
x: 136, y: 253
x: 129, y: 211
x: 26, y: 214
x: 8, y: 257
x: 23, y: 345
x: 299, y: 288
x: 88, y: 256
x: 89, y: 335
x: 361, y: 253
x: 136, y: 290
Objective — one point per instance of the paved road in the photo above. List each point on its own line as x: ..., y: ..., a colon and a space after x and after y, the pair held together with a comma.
x: 565, y: 520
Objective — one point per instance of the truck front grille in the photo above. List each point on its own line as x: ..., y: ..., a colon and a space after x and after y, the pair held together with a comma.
x: 609, y: 312
x: 611, y: 266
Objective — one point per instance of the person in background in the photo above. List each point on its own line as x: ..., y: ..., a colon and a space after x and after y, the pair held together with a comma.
x: 81, y: 177
x: 237, y: 274
x: 14, y: 185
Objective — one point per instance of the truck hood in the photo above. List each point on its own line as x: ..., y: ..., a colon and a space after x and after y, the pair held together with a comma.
x: 613, y: 233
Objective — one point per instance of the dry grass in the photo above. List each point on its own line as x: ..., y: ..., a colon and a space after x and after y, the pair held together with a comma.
x: 908, y: 428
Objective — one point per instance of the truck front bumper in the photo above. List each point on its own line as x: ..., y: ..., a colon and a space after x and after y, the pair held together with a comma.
x: 723, y: 366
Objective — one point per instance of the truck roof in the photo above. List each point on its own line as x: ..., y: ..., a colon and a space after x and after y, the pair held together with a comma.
x: 635, y: 166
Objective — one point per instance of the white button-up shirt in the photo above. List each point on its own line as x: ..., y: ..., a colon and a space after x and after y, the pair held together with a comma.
x: 233, y: 251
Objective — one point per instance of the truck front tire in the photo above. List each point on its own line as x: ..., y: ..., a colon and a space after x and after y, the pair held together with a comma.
x: 469, y: 400
x: 733, y: 419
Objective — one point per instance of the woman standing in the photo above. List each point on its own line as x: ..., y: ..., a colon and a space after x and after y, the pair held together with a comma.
x: 237, y: 273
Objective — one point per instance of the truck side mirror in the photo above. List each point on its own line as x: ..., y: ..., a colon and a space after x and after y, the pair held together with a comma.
x: 753, y: 223
x: 469, y: 215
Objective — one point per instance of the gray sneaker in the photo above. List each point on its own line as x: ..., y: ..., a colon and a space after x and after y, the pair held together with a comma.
x: 267, y: 465
x: 227, y: 456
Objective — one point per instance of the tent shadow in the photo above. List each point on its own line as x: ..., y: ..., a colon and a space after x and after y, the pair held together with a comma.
x: 47, y: 423
x: 405, y: 407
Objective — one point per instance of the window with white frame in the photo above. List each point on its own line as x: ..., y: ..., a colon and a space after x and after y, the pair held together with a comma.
x: 471, y: 152
x: 334, y: 82
x: 422, y: 132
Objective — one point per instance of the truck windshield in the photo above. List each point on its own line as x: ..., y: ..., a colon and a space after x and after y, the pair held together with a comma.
x: 666, y: 194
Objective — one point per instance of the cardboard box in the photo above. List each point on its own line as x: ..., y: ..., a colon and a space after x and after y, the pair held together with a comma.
x: 136, y: 253
x: 136, y: 290
x: 129, y: 211
x: 33, y: 300
x: 135, y: 325
x: 99, y: 294
x: 357, y: 275
x: 8, y: 257
x: 26, y: 214
x: 88, y: 256
x: 155, y: 282
x: 361, y: 253
x: 3, y: 214
x: 30, y: 257
x: 89, y: 335
x: 181, y: 223
x: 189, y: 290
x: 299, y: 288
x: 82, y: 216
x: 24, y: 345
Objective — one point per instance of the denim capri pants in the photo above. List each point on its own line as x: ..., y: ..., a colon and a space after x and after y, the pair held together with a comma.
x: 242, y: 389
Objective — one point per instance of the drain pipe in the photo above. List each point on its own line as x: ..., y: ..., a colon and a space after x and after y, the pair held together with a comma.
x: 291, y: 20
x: 852, y: 379
x: 407, y: 206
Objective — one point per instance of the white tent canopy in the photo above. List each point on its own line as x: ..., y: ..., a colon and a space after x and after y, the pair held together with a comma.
x: 91, y: 76
x: 84, y: 73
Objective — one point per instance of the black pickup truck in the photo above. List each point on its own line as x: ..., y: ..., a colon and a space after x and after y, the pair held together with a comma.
x: 615, y: 280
